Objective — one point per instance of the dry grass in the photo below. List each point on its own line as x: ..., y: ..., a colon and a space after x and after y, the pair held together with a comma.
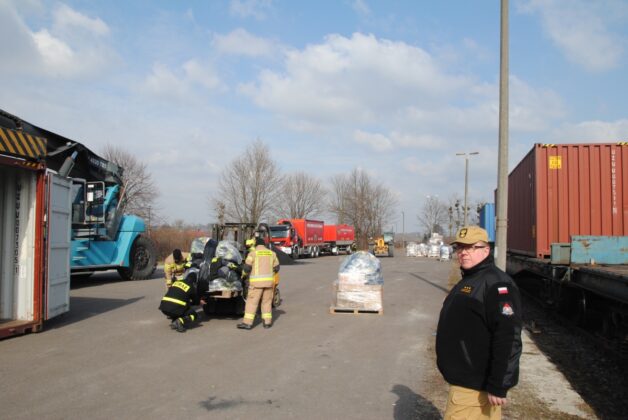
x: 169, y: 238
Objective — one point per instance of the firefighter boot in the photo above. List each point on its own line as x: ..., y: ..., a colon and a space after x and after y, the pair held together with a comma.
x: 178, y: 325
x: 244, y: 326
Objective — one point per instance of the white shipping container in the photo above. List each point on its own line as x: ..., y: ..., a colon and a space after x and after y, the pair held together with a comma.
x: 26, y: 291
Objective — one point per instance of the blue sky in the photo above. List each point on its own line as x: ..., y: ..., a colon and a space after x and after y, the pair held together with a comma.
x: 396, y: 88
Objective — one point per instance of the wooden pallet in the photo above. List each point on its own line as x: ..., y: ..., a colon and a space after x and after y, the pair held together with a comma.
x: 337, y: 310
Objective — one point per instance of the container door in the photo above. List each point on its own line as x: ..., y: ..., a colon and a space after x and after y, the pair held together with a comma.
x: 59, y: 229
x: 17, y: 242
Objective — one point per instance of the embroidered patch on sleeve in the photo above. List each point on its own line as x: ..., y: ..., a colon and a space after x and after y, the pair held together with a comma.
x: 507, y: 310
x: 502, y: 290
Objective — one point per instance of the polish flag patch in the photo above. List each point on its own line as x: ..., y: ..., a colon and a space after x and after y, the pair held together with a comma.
x: 502, y: 290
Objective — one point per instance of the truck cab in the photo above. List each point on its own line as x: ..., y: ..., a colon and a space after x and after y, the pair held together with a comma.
x: 285, y: 238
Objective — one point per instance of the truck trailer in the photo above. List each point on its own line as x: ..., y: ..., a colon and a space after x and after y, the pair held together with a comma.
x: 298, y: 237
x: 338, y: 238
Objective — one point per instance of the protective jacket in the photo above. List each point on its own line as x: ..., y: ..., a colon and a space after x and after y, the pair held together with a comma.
x: 261, y: 263
x: 173, y: 268
x: 478, y: 341
x: 181, y: 296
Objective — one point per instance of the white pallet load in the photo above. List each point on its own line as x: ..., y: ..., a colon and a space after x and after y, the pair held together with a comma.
x: 359, y: 286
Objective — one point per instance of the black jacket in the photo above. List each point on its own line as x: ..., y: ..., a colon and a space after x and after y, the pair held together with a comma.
x: 478, y: 341
x: 180, y: 296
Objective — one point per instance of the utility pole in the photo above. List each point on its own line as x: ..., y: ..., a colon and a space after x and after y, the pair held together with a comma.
x: 466, y: 182
x: 403, y: 228
x: 502, y: 161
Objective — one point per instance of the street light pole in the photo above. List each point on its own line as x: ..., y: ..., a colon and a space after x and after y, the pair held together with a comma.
x: 403, y: 228
x: 466, y: 181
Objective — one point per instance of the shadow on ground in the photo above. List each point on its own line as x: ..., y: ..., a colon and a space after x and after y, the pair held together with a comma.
x: 411, y: 406
x: 84, y: 307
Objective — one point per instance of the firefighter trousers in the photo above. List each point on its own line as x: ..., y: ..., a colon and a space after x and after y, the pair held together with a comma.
x: 186, y: 319
x: 255, y: 294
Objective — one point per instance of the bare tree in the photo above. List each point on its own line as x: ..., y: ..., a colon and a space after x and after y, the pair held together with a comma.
x: 434, y: 215
x: 356, y: 199
x: 301, y: 196
x: 139, y: 188
x: 248, y: 187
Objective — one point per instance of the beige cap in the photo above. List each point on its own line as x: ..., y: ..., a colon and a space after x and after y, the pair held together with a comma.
x: 469, y: 235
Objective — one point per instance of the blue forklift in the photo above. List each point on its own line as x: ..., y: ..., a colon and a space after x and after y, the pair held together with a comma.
x: 102, y: 236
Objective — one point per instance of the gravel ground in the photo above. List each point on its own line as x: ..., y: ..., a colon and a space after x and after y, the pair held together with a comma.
x: 599, y: 376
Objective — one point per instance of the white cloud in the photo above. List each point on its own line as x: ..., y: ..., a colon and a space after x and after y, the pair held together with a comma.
x: 163, y: 82
x: 56, y: 53
x: 353, y: 79
x: 250, y: 8
x: 361, y: 7
x: 68, y: 18
x: 181, y: 84
x: 18, y: 50
x: 533, y: 109
x: 580, y: 29
x: 202, y: 74
x: 75, y: 46
x: 241, y: 42
x: 376, y: 141
x: 393, y: 97
x: 422, y: 141
x: 590, y: 132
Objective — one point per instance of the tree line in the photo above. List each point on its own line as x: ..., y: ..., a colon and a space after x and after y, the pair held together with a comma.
x: 252, y: 189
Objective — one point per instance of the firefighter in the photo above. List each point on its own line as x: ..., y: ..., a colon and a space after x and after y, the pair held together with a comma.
x: 175, y: 265
x: 250, y: 246
x: 260, y: 266
x: 178, y: 302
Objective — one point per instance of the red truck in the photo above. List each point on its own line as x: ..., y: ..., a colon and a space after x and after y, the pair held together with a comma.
x: 338, y: 238
x: 298, y: 237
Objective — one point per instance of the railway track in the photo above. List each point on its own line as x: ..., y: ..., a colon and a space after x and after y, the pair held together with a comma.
x: 593, y: 366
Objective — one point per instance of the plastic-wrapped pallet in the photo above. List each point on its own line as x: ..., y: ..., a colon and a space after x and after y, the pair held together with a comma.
x: 412, y: 249
x: 360, y: 283
x: 228, y: 250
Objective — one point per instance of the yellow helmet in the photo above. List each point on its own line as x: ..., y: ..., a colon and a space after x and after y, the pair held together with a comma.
x: 249, y: 243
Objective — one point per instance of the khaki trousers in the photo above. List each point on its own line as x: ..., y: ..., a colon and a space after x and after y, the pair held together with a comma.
x: 252, y: 301
x: 469, y: 404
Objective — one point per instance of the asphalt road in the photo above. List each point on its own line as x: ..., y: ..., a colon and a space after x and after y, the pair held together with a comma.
x: 114, y: 356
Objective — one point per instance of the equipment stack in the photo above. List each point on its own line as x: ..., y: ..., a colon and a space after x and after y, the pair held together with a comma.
x: 360, y: 285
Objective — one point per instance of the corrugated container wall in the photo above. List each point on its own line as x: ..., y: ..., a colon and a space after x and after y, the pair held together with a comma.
x: 558, y: 191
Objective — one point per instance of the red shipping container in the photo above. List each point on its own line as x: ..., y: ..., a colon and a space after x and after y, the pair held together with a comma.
x: 562, y: 190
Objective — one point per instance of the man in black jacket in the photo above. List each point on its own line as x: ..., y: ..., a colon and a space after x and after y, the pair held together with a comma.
x: 478, y: 341
x: 179, y: 299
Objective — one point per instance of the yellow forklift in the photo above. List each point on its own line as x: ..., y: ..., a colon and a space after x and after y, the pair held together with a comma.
x: 384, y: 245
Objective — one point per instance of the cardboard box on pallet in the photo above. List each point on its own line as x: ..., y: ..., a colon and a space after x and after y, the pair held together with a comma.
x: 360, y: 283
x: 364, y: 297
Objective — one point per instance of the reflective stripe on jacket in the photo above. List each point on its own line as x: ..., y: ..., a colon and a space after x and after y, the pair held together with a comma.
x: 262, y: 261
